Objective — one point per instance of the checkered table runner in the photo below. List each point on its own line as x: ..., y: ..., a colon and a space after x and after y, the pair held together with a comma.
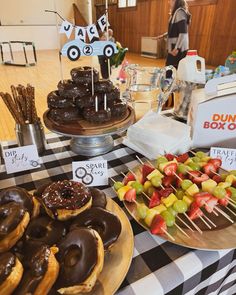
x: 158, y: 267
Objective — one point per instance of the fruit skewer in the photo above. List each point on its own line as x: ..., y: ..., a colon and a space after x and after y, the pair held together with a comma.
x: 158, y: 224
x: 220, y: 211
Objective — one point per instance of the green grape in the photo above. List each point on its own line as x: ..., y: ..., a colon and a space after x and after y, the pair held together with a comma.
x: 219, y: 192
x: 233, y: 192
x: 138, y: 187
x: 156, y: 181
x: 233, y: 172
x: 185, y: 184
x: 142, y: 210
x: 168, y: 217
x: 196, y: 159
x: 179, y: 194
x: 150, y: 191
x: 194, y: 166
x: 200, y: 155
x: 182, y: 168
x: 117, y: 185
x: 223, y: 176
x: 161, y: 160
x: 172, y: 211
x: 180, y: 206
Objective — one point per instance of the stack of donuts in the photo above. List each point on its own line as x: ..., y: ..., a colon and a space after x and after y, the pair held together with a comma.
x: 55, y: 240
x: 87, y: 97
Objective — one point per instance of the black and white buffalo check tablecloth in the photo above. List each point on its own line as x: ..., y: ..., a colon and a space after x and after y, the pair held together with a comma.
x: 158, y: 267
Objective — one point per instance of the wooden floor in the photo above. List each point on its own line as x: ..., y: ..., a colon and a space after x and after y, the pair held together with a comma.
x: 45, y: 77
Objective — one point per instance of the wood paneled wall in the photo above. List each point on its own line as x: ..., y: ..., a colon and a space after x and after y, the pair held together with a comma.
x: 212, y: 31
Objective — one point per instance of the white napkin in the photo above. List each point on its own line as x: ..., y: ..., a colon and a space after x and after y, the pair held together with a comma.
x: 155, y: 135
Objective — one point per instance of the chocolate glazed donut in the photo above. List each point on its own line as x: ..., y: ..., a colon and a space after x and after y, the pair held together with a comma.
x: 54, y: 100
x: 100, y: 116
x: 41, y: 270
x: 69, y: 89
x: 104, y: 222
x: 17, y: 195
x: 65, y: 199
x: 81, y: 258
x: 84, y: 75
x: 44, y: 230
x: 103, y: 86
x: 98, y: 198
x: 11, y: 272
x: 64, y: 115
x: 13, y: 221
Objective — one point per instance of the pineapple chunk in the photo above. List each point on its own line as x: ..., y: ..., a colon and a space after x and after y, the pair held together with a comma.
x: 192, y: 190
x: 209, y: 185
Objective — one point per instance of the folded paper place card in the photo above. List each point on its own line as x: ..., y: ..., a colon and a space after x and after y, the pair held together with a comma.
x: 90, y: 173
x: 227, y: 156
x: 21, y: 158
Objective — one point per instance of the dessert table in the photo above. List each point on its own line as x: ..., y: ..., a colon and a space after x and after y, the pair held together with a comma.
x: 158, y: 267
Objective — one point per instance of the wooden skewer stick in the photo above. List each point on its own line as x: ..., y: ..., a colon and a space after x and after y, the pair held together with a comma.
x: 162, y: 186
x: 184, y: 223
x: 182, y: 231
x: 133, y: 173
x: 231, y: 211
x: 231, y: 203
x: 112, y: 179
x: 190, y: 220
x: 204, y: 221
x: 150, y: 163
x: 210, y: 221
x: 192, y: 153
x: 173, y: 187
x: 178, y: 176
x: 214, y: 212
x: 231, y: 200
x: 224, y: 214
x: 146, y: 196
x: 168, y: 235
x: 224, y: 169
x: 139, y: 160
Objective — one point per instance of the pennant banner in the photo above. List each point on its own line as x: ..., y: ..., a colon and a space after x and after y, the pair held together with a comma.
x: 92, y: 32
x: 102, y: 22
x: 66, y: 28
x: 80, y: 33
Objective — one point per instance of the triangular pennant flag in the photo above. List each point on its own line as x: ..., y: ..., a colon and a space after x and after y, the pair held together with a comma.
x: 80, y: 33
x: 92, y: 32
x: 103, y: 22
x: 66, y: 28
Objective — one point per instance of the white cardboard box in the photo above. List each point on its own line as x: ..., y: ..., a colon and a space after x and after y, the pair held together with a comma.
x: 212, y: 113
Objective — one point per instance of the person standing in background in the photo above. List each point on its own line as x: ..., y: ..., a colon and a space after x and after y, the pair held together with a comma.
x: 103, y: 61
x: 177, y: 35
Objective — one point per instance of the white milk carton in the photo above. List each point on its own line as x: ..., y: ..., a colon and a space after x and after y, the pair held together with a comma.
x: 212, y: 113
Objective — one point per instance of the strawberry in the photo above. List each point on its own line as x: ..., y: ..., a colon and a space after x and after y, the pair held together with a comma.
x: 169, y: 157
x: 170, y: 169
x: 178, y: 181
x: 217, y: 178
x: 223, y: 202
x: 168, y: 180
x: 216, y: 162
x: 194, y: 211
x: 130, y: 195
x: 209, y: 169
x: 155, y: 200
x: 146, y: 169
x: 202, y: 198
x: 193, y: 174
x: 198, y: 180
x: 182, y: 158
x: 234, y: 184
x: 158, y: 225
x: 164, y: 193
x: 129, y: 177
x: 210, y: 204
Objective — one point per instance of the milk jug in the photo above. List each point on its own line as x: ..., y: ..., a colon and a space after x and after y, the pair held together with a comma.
x: 192, y: 68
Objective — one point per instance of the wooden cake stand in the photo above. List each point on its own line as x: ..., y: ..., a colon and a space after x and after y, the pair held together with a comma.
x: 90, y: 139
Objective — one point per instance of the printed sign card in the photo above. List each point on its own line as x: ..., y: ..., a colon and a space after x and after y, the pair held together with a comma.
x: 228, y: 157
x: 90, y: 173
x: 21, y: 158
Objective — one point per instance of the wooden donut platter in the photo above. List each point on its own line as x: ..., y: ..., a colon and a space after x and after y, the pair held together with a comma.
x: 82, y: 127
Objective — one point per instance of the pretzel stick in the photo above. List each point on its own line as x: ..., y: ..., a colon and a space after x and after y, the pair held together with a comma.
x: 15, y: 110
x: 14, y: 94
x: 10, y: 105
